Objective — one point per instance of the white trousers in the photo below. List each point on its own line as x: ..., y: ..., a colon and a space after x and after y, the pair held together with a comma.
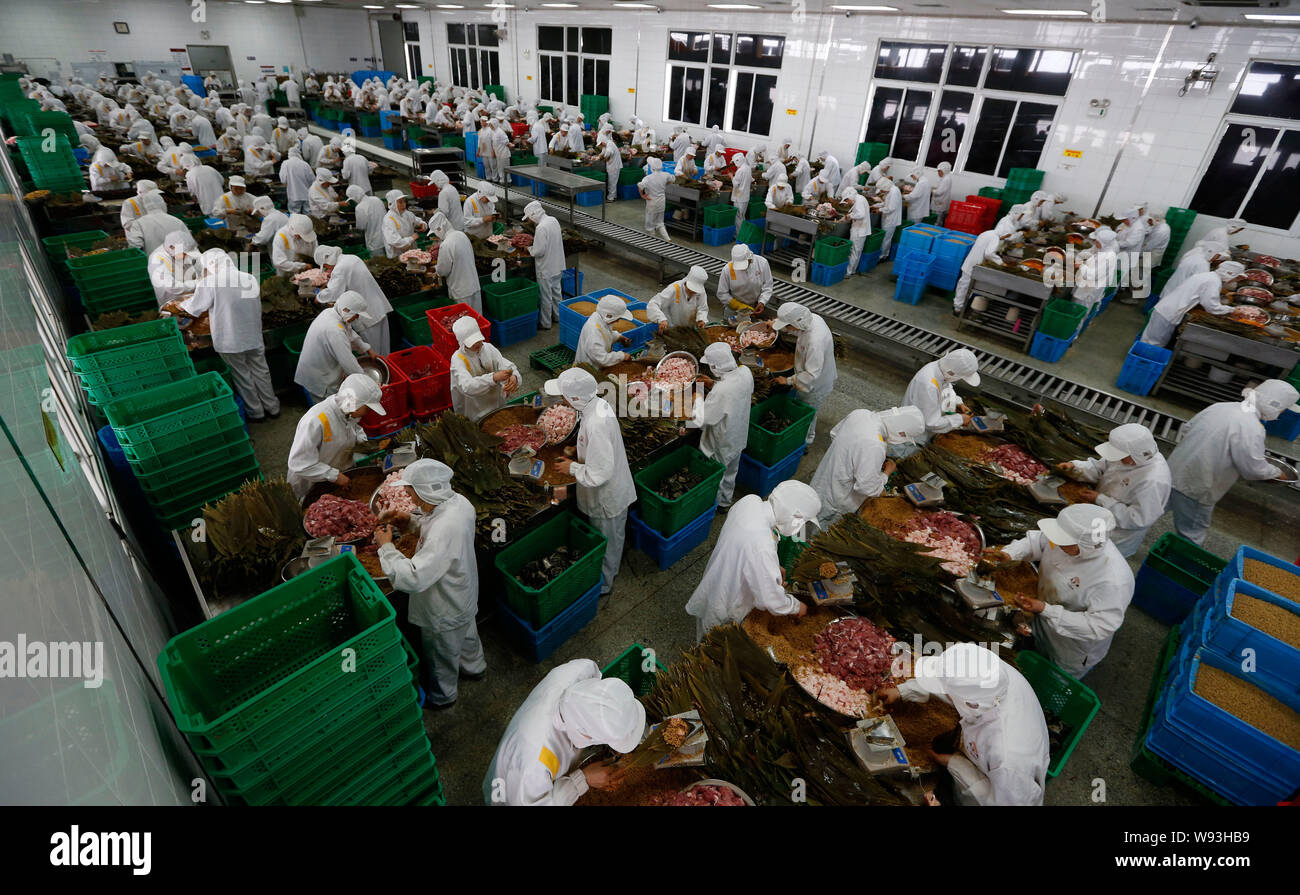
x: 855, y: 253
x: 549, y: 290
x: 475, y: 300
x: 1158, y: 331
x: 962, y: 292
x: 299, y: 207
x: 1191, y: 518
x: 889, y: 239
x: 614, y: 528
x: 815, y: 402
x: 445, y: 655
x: 253, y: 382
x: 727, y: 487
x: 377, y: 337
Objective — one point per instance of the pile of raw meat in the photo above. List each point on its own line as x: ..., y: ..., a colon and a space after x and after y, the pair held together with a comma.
x: 314, y: 277
x: 557, y: 421
x: 498, y: 239
x: 1016, y: 464
x: 521, y: 240
x: 517, y: 436
x: 676, y: 371
x: 393, y: 498
x: 344, y: 520
x: 762, y: 336
x: 1248, y: 314
x: 948, y: 538
x: 826, y: 210
x: 416, y: 256
x: 833, y: 692
x: 706, y: 796
x: 856, y: 652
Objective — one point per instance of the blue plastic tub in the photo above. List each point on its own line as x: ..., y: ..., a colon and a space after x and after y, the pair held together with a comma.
x: 113, y: 450
x: 1236, y: 567
x: 588, y: 198
x: 471, y: 147
x: 539, y: 189
x: 1049, y: 349
x: 868, y: 261
x: 1286, y: 426
x: 394, y: 143
x: 829, y: 274
x: 571, y: 322
x: 215, y: 223
x: 574, y: 319
x: 571, y: 283
x: 1143, y: 367
x: 538, y: 645
x: 667, y: 550
x: 762, y: 479
x: 629, y: 191
x: 1277, y: 663
x: 1152, y: 300
x: 721, y: 236
x: 909, y: 291
x: 479, y: 168
x: 515, y: 330
x: 1164, y: 600
x: 670, y: 167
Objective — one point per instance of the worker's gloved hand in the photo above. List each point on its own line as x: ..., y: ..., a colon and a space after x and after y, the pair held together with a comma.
x: 601, y: 774
x: 383, y: 535
x: 342, y: 481
x: 370, y: 353
x: 502, y: 375
x: 1067, y: 466
x: 1089, y: 495
x: 663, y: 325
x: 802, y: 611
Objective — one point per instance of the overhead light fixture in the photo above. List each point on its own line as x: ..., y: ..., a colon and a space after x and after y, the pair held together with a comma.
x: 1062, y: 13
x: 1265, y: 17
x: 450, y: 6
x: 281, y: 1
x: 561, y: 5
x: 636, y: 6
x: 733, y: 6
x: 407, y: 6
x: 368, y: 6
x: 255, y: 2
x: 866, y: 8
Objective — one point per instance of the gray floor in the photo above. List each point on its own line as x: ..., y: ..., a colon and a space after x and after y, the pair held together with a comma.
x: 647, y: 604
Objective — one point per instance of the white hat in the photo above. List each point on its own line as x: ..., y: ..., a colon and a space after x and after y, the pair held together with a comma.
x: 355, y: 191
x: 719, y: 357
x: 902, y: 424
x: 1129, y: 440
x: 467, y: 332
x: 740, y: 255
x: 358, y: 391
x: 575, y: 384
x: 325, y: 175
x: 611, y: 308
x: 794, y: 504
x: 696, y: 277
x: 791, y: 314
x: 533, y: 211
x: 1083, y: 524
x: 236, y: 180
x: 960, y: 363
x: 602, y: 711
x: 1230, y: 270
x: 1273, y: 397
x: 327, y: 255
x: 431, y: 480
x: 350, y: 303
x: 301, y: 225
x: 263, y: 203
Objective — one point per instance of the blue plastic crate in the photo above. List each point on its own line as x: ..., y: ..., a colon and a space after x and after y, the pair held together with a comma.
x: 1286, y: 426
x: 571, y: 283
x: 394, y: 142
x: 762, y: 479
x: 915, y: 266
x: 480, y: 168
x: 1277, y: 663
x: 667, y: 550
x: 589, y: 198
x: 629, y: 191
x: 721, y: 236
x: 829, y: 274
x: 917, y: 237
x: 215, y: 223
x: 471, y: 147
x: 539, y: 645
x: 576, y: 320
x: 539, y: 189
x: 909, y: 291
x: 1236, y: 567
x: 1143, y: 367
x: 946, y: 249
x: 670, y: 167
x: 1164, y: 600
x: 515, y: 330
x: 943, y: 279
x: 1049, y: 349
x: 868, y: 261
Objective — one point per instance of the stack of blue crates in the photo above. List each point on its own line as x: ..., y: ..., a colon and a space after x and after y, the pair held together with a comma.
x: 1049, y: 348
x: 913, y: 274
x: 571, y: 282
x: 1142, y: 368
x: 571, y: 322
x: 666, y: 550
x: 629, y: 191
x: 471, y: 148
x: 1207, y: 742
x: 719, y: 236
x: 916, y: 238
x: 950, y: 251
x: 829, y: 274
x: 762, y: 479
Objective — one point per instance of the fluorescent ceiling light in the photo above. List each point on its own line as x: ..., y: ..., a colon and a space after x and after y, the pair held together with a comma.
x: 733, y: 6
x: 866, y: 8
x: 636, y: 6
x: 1044, y: 12
x: 561, y: 5
x: 368, y: 6
x: 281, y: 1
x: 407, y: 6
x: 1264, y: 17
x: 255, y: 2
x: 449, y: 6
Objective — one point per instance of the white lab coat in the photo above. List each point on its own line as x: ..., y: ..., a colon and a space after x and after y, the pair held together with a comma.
x: 228, y: 203
x: 681, y: 146
x: 817, y: 190
x: 290, y: 254
x: 678, y: 306
x: 779, y: 195
x: 234, y: 310
x: 271, y: 224
x: 653, y: 185
x: 741, y: 183
x: 536, y: 763
x: 449, y: 203
x: 814, y: 363
x: 442, y: 576
x: 148, y: 231
x: 540, y: 138
x: 297, y: 177
x: 984, y: 248
x: 370, y: 214
x: 1221, y: 443
x: 802, y: 174
x: 891, y: 209
x: 258, y: 161
x: 456, y: 267
x: 283, y: 139
x: 596, y: 344
x: 918, y: 200
x: 1200, y: 289
x: 291, y: 93
x: 743, y: 572
x: 605, y: 487
x: 941, y: 194
x: 613, y: 164
x: 850, y: 471
x: 473, y: 391
x: 548, y: 249
x: 1086, y: 598
x: 1135, y: 495
x: 356, y: 171
x: 206, y: 185
x: 322, y: 201
x: 322, y: 446
x: 748, y: 288
x: 169, y: 283
x: 132, y: 208
x: 723, y: 417
x: 832, y: 167
x: 311, y: 147
x: 399, y: 232
x: 936, y: 399
x: 352, y: 275
x: 851, y: 176
x: 328, y: 354
x: 476, y: 208
x: 204, y: 135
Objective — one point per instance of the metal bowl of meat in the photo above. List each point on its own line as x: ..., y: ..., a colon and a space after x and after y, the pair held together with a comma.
x: 711, y: 792
x: 1254, y: 295
x: 756, y: 334
x: 676, y: 368
x: 1288, y: 470
x: 1259, y: 275
x: 347, y: 521
x: 376, y: 369
x: 559, y: 422
x: 1251, y: 315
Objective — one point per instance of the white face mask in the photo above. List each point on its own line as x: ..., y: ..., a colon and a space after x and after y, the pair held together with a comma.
x: 792, y: 528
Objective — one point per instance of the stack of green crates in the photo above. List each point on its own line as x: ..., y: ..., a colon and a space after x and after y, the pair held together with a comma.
x: 113, y: 281
x: 277, y: 719
x: 33, y: 123
x: 510, y: 298
x: 56, y: 247
x: 991, y: 192
x: 1024, y: 179
x: 127, y: 360
x: 1180, y: 223
x: 592, y: 107
x: 51, y: 168
x: 871, y: 152
x: 630, y: 175
x: 186, y: 444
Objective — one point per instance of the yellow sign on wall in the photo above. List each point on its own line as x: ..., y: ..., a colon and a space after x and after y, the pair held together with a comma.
x: 1074, y: 153
x: 631, y: 90
x: 792, y: 111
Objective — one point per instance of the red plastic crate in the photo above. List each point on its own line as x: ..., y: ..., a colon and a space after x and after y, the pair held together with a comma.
x: 444, y: 341
x: 395, y: 401
x: 519, y: 128
x: 991, y: 209
x: 423, y: 190
x: 968, y: 217
x: 427, y: 394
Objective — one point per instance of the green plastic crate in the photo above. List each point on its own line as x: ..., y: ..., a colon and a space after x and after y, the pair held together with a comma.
x: 719, y: 216
x: 553, y: 359
x: 628, y: 176
x: 1179, y: 218
x: 92, y: 263
x: 231, y: 674
x: 871, y: 152
x: 193, y: 470
x: 874, y: 241
x: 191, y: 404
x: 788, y: 551
x: 1061, y: 695
x: 57, y: 246
x: 1061, y: 319
x: 592, y: 106
x: 750, y: 232
x: 138, y: 297
x: 766, y: 446
x: 991, y: 192
x: 182, y: 505
x: 101, y: 351
x: 630, y: 669
x: 497, y: 90
x: 591, y: 173
x: 832, y: 250
x: 215, y: 364
x: 413, y: 321
x: 1025, y: 178
x: 670, y: 516
x: 131, y: 380
x: 511, y: 298
x: 1184, y: 562
x: 539, y: 606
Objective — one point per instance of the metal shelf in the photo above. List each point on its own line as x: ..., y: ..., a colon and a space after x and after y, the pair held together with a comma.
x: 994, y: 319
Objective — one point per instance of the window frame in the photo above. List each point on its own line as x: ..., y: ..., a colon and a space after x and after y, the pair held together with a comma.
x: 473, y: 56
x: 1281, y: 125
x: 583, y: 59
x: 734, y: 72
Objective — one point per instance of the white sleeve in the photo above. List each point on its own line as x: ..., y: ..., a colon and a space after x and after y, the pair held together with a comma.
x: 869, y: 479
x: 1088, y: 470
x: 760, y: 574
x: 1102, y: 618
x: 598, y: 468
x: 1247, y: 456
x: 1143, y: 507
x: 466, y: 382
x: 419, y: 572
x: 923, y: 689
x: 971, y: 779
x: 304, y: 456
x: 653, y: 312
x: 1032, y: 547
x: 812, y: 371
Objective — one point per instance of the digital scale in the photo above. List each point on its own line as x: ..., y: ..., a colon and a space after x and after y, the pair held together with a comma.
x: 928, y: 492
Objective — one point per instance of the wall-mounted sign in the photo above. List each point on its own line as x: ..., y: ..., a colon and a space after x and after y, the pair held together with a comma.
x: 792, y: 111
x: 1074, y: 153
x: 121, y: 27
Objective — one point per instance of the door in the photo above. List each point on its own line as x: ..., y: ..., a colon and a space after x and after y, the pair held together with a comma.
x: 392, y: 46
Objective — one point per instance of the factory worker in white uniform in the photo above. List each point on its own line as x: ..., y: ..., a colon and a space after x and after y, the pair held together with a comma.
x: 400, y: 225
x: 605, y: 488
x: 173, y: 268
x: 1221, y: 443
x: 744, y: 572
x: 741, y: 183
x: 449, y: 200
x: 830, y: 167
x: 548, y: 254
x: 148, y: 231
x: 855, y: 466
x: 272, y: 220
x: 819, y: 189
x: 540, y: 135
x: 560, y: 140
x: 293, y: 246
x: 328, y: 433
x: 918, y: 198
x: 713, y: 140
x: 169, y: 163
x: 536, y: 762
x: 298, y: 178
x: 598, y: 338
x: 456, y: 263
x: 348, y: 273
x: 204, y: 135
x: 941, y: 192
x: 1084, y: 586
x: 1200, y: 258
x: 107, y: 173
x: 234, y: 201
x: 1133, y: 482
x: 891, y: 213
x: 1004, y: 749
x: 322, y: 201
x: 859, y: 225
x: 133, y: 207
x: 651, y: 188
x: 1132, y: 231
x: 814, y: 357
x: 801, y: 175
x: 330, y: 348
x: 204, y: 183
x: 852, y: 176
x: 723, y: 415
x: 1200, y: 289
x: 779, y: 193
x: 284, y: 137
x: 481, y: 376
x: 745, y: 283
x: 715, y: 163
x: 370, y: 212
x: 480, y: 210
x: 234, y: 305
x: 608, y: 152
x: 931, y: 391
x: 984, y: 248
x: 356, y: 168
x: 1157, y: 239
x: 681, y: 146
x: 259, y: 158
x: 1221, y: 235
x: 577, y: 144
x: 681, y: 303
x: 441, y: 579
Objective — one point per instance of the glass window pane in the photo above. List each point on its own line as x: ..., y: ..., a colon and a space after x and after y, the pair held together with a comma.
x: 544, y: 89
x: 1030, y: 71
x: 597, y: 40
x: 884, y: 115
x: 1271, y: 89
x: 694, y: 101
x: 759, y: 50
x: 689, y: 46
x: 717, y: 97
x: 740, y: 111
x: 455, y: 34
x: 550, y: 38
x: 487, y: 35
x: 990, y: 133
x: 721, y: 49
x: 916, y: 107
x: 571, y: 39
x: 589, y: 77
x: 572, y: 86
x: 676, y: 92
x: 763, y: 106
x: 1277, y: 198
x: 1028, y: 136
x: 602, y: 77
x: 964, y: 68
x: 1226, y: 181
x: 949, y: 127
x: 494, y: 58
x: 910, y: 62
x: 411, y: 30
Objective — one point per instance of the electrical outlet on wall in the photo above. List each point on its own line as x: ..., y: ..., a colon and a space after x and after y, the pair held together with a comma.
x: 1098, y: 108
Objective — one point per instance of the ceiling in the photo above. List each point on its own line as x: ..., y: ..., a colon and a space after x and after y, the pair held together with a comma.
x: 1209, y: 11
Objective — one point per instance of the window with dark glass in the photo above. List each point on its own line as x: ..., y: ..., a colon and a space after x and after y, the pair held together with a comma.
x: 1028, y: 136
x: 718, y: 78
x: 965, y: 66
x: 597, y: 41
x: 911, y: 124
x: 689, y: 46
x: 411, y: 30
x: 1232, y: 171
x: 697, y: 96
x: 550, y: 38
x: 1269, y: 90
x: 1275, y: 200
x: 1030, y: 70
x: 721, y: 49
x: 455, y: 34
x: 910, y: 62
x: 949, y: 127
x: 759, y: 50
x: 883, y: 119
x: 990, y: 135
x: 571, y: 39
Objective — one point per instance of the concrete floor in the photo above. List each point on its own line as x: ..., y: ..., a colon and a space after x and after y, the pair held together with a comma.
x: 647, y: 606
